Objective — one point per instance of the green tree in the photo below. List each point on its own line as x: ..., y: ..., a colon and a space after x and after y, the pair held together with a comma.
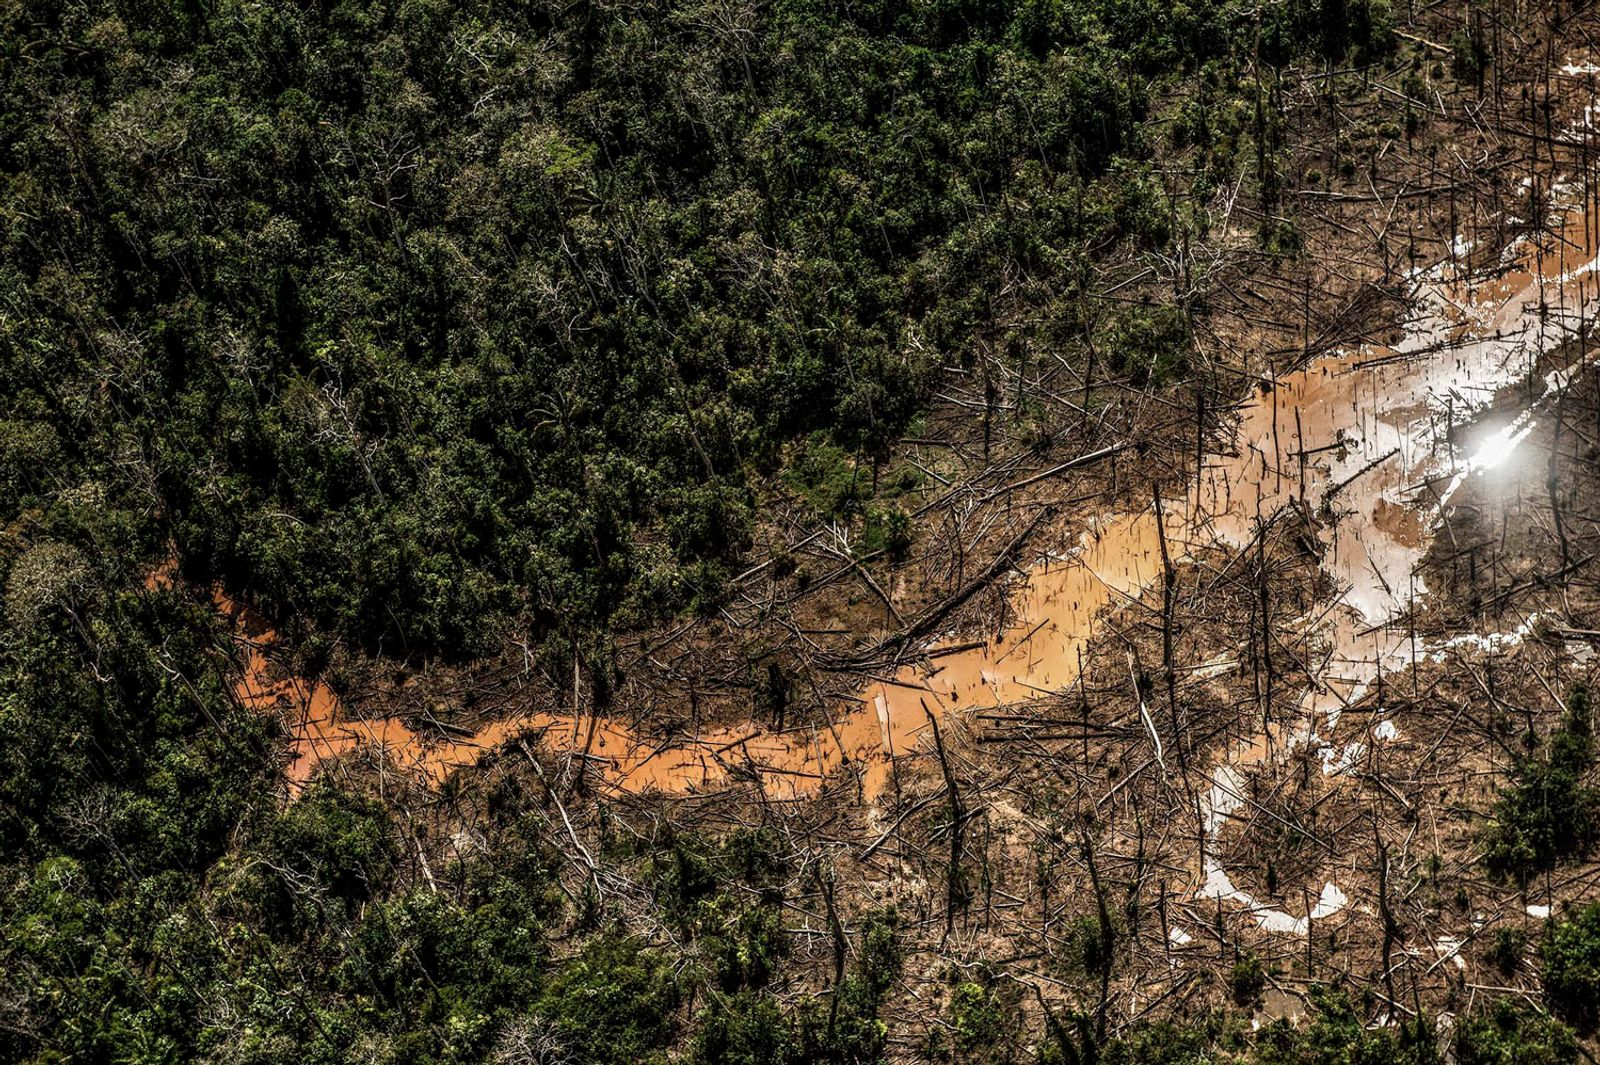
x: 1549, y: 812
x: 1571, y: 955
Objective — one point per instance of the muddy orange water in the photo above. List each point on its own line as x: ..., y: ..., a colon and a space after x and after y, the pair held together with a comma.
x: 1361, y: 436
x: 1365, y: 438
x: 1061, y: 599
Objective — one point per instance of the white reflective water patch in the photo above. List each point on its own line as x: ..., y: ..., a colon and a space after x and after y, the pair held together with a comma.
x: 1218, y: 885
x: 1340, y: 760
x: 1489, y: 643
x: 1224, y: 797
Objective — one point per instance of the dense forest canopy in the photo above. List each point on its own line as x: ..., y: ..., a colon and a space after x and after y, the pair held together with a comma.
x: 410, y: 320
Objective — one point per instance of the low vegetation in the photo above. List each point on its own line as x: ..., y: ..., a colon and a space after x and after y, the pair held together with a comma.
x: 1550, y: 811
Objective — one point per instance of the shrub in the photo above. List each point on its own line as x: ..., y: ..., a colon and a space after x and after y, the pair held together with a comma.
x: 982, y: 1026
x: 1548, y: 813
x: 1505, y: 953
x: 1571, y: 954
x: 1149, y: 345
x: 1336, y: 1032
x: 1505, y: 1035
x: 847, y: 1027
x: 1169, y: 1043
x: 888, y: 529
x: 748, y: 1028
x: 613, y: 1004
x: 320, y: 859
x: 1247, y: 980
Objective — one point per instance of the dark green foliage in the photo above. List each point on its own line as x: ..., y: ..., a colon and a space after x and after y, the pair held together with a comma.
x: 745, y: 946
x: 839, y: 1029
x: 1247, y: 980
x: 119, y: 742
x: 1505, y: 1035
x: 1336, y: 1034
x: 725, y: 899
x: 614, y: 1004
x: 755, y: 856
x: 411, y: 320
x: 684, y: 877
x: 1280, y: 237
x: 1333, y: 1032
x: 1549, y: 812
x: 124, y: 770
x: 888, y: 530
x: 1088, y: 947
x: 1363, y: 29
x: 1211, y: 1038
x: 842, y: 1028
x: 298, y: 946
x: 982, y: 1026
x: 1571, y: 955
x: 1148, y: 344
x: 422, y: 963
x: 1505, y: 951
x: 827, y: 476
x: 847, y: 1028
x: 320, y: 860
x: 748, y: 1028
x: 877, y: 961
x: 1470, y: 56
x: 1370, y: 32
